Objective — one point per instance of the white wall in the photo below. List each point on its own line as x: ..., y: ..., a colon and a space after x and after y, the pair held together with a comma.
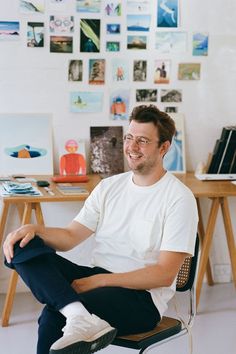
x: 35, y: 80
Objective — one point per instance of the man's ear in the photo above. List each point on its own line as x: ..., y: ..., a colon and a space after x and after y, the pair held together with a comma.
x: 164, y: 148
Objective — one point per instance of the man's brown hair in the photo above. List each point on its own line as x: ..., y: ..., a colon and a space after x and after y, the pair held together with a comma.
x: 164, y: 123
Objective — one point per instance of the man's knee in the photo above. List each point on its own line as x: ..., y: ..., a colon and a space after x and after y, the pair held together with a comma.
x: 34, y: 248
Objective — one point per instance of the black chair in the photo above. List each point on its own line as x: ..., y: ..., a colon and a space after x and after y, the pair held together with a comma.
x: 168, y: 328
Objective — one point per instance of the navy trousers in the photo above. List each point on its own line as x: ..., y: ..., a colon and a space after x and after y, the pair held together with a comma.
x: 49, y: 277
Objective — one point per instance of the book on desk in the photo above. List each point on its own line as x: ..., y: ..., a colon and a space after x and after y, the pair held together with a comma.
x: 70, y: 189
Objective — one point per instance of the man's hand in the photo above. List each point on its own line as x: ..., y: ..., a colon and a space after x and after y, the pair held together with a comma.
x: 89, y: 283
x: 25, y: 233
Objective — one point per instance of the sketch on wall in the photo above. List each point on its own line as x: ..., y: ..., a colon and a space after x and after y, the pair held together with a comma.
x: 86, y: 101
x: 167, y: 13
x: 9, y: 30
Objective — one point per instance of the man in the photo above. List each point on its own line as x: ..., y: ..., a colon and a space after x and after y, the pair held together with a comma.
x: 144, y: 222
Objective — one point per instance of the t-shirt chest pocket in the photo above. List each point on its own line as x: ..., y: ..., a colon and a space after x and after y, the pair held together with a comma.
x: 141, y: 235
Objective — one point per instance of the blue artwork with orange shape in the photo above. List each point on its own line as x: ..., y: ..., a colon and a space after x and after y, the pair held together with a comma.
x: 25, y: 151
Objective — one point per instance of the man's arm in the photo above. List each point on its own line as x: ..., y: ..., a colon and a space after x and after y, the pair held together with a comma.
x: 161, y: 274
x: 61, y: 239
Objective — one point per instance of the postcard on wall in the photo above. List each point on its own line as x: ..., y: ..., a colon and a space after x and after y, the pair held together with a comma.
x: 119, y: 104
x: 200, y: 43
x: 9, y: 30
x: 35, y: 34
x: 189, y: 71
x: 61, y: 44
x: 146, y: 95
x: 171, y: 42
x: 120, y: 70
x: 138, y: 6
x: 96, y: 71
x: 106, y: 150
x: 140, y: 70
x: 136, y: 42
x: 26, y: 144
x: 175, y: 160
x: 89, y: 35
x: 113, y: 28
x: 86, y: 102
x: 72, y: 157
x: 171, y: 95
x: 93, y: 6
x: 113, y: 8
x: 58, y: 6
x: 112, y: 46
x: 167, y: 13
x: 61, y: 24
x: 138, y: 22
x: 162, y: 72
x: 75, y: 70
x: 32, y: 6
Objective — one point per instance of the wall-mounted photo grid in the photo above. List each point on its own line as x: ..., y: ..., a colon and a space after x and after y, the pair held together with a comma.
x: 106, y: 48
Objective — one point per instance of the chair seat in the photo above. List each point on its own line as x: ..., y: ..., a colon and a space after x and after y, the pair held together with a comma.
x: 165, y: 329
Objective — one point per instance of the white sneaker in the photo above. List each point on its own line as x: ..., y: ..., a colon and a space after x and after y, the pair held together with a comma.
x: 84, y: 335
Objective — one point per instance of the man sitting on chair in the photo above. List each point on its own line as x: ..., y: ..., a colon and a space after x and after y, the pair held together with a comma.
x: 144, y: 223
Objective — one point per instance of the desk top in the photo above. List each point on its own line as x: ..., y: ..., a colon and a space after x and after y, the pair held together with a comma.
x: 199, y: 188
x: 207, y: 189
x: 57, y: 197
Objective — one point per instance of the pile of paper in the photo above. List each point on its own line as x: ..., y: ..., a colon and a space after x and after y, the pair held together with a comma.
x: 16, y: 188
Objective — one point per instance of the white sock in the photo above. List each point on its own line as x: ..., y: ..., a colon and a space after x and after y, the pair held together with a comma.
x: 73, y: 309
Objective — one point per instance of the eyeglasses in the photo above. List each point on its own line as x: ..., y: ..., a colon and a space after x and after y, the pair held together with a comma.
x: 139, y: 140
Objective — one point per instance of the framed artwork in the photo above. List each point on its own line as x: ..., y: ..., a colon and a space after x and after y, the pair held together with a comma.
x: 75, y: 70
x: 146, y: 95
x: 96, y: 71
x: 189, y: 71
x: 136, y: 42
x: 200, y: 43
x: 106, y: 150
x: 113, y: 28
x: 119, y: 104
x: 138, y: 22
x: 171, y: 42
x: 162, y: 72
x: 32, y: 6
x: 35, y: 34
x: 92, y: 6
x: 167, y: 13
x: 120, y: 70
x: 86, y: 102
x: 26, y: 144
x: 113, y: 8
x: 61, y: 44
x: 140, y: 70
x: 61, y: 24
x: 175, y: 160
x: 9, y: 30
x: 57, y: 6
x: 90, y: 35
x: 112, y: 46
x: 138, y: 6
x: 171, y: 95
x: 72, y: 157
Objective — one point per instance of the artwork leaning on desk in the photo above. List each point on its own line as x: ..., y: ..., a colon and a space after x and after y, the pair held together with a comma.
x: 72, y: 159
x: 26, y: 144
x: 106, y: 150
x: 175, y: 160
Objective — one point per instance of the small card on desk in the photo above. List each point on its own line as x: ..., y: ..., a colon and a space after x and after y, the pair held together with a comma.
x: 69, y: 189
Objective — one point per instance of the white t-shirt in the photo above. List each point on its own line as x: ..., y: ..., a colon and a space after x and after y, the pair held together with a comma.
x: 132, y: 224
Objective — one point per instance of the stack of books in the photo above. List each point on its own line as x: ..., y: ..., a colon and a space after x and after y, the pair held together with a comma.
x: 223, y: 160
x: 16, y: 188
x: 70, y: 189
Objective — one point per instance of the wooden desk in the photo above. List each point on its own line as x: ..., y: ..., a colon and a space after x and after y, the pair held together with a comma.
x: 217, y: 191
x: 25, y: 206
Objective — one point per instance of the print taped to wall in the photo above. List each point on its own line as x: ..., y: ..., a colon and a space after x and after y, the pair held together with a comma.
x: 26, y: 144
x: 174, y: 160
